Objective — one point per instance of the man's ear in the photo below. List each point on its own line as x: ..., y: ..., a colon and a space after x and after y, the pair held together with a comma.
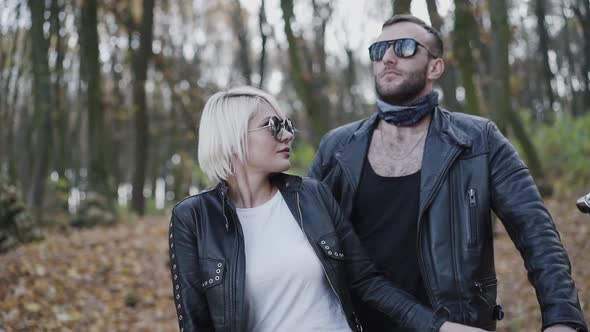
x: 436, y: 68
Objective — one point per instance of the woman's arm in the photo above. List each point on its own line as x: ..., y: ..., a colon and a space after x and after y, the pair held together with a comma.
x: 189, y: 299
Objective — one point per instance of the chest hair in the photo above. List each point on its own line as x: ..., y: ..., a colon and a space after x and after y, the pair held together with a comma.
x: 395, y: 155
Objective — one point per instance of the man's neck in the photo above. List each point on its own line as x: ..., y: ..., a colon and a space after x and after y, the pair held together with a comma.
x: 406, y: 101
x: 404, y: 132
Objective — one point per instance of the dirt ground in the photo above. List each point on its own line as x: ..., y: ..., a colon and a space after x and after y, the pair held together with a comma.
x: 117, y: 279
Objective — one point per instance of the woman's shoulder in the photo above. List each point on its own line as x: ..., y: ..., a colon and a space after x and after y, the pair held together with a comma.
x: 192, y: 202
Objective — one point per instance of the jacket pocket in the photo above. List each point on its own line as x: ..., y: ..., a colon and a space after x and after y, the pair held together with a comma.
x: 472, y: 233
x: 486, y: 291
x: 212, y: 281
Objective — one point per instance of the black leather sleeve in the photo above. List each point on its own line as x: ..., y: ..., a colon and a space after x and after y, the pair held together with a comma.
x: 189, y: 299
x: 517, y: 202
x: 372, y: 287
x: 315, y: 170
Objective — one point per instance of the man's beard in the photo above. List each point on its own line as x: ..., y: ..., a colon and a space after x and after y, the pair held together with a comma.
x: 406, y: 92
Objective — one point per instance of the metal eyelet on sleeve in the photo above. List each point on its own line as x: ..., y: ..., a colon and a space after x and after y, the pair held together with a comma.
x: 175, y: 282
x: 331, y: 246
x: 212, y: 271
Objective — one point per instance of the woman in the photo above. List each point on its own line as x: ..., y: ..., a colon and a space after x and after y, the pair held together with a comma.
x: 267, y: 251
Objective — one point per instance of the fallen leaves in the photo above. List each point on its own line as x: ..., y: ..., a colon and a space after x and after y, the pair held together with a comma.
x: 104, y: 279
x: 116, y: 278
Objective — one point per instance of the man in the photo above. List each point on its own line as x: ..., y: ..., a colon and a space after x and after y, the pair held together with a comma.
x: 419, y: 184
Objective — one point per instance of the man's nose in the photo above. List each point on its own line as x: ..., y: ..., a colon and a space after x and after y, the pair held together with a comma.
x: 389, y: 55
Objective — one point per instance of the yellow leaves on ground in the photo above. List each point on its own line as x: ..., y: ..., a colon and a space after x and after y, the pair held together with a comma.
x: 116, y: 278
x: 104, y: 279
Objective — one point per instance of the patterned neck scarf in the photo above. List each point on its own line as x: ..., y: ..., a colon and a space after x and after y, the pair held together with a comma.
x: 407, y: 115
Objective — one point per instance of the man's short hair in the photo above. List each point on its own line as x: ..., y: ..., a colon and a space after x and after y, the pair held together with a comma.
x: 223, y: 130
x: 438, y: 45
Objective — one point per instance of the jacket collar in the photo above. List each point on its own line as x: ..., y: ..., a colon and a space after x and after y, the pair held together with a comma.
x: 443, y: 142
x: 285, y: 182
x: 440, y: 122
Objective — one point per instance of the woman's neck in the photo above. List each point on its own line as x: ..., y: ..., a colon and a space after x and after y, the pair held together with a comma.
x: 250, y: 190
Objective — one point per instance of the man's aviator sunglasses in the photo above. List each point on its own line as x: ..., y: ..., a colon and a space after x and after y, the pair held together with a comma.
x: 276, y: 126
x: 403, y: 48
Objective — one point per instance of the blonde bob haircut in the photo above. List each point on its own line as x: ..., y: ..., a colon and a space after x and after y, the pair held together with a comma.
x: 223, y: 130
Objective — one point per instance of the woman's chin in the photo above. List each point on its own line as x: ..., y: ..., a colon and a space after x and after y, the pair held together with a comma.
x: 285, y: 167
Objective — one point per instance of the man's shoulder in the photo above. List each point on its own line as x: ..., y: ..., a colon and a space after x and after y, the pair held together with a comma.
x: 342, y: 134
x: 466, y: 121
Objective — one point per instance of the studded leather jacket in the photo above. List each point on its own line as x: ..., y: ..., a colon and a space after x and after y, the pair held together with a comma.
x: 207, y: 260
x: 468, y: 170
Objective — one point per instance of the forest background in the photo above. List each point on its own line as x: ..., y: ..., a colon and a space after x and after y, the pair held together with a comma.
x: 99, y: 112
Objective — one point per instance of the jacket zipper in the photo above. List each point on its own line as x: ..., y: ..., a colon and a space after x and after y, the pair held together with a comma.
x: 321, y: 263
x: 418, y: 243
x: 481, y: 286
x: 473, y: 240
x: 233, y: 273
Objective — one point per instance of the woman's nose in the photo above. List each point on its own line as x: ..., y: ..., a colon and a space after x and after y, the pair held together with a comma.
x: 286, y: 136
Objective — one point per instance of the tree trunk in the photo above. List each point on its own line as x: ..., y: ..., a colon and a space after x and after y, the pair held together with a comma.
x: 464, y: 55
x: 448, y: 81
x: 41, y: 128
x: 501, y: 83
x: 141, y: 58
x: 540, y: 12
x: 7, y: 109
x: 99, y: 177
x: 571, y: 63
x: 20, y: 174
x: 61, y: 118
x: 401, y: 6
x: 243, y: 47
x: 316, y: 106
x: 263, y: 27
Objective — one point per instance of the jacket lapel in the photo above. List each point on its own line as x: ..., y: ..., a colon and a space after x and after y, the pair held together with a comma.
x: 444, y: 143
x: 351, y: 158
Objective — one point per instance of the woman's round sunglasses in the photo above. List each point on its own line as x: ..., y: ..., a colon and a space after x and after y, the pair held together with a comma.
x: 403, y: 48
x: 276, y: 126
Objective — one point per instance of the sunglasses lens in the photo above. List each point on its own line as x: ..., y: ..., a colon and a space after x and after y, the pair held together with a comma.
x: 274, y: 123
x: 405, y: 48
x: 288, y: 125
x: 377, y: 50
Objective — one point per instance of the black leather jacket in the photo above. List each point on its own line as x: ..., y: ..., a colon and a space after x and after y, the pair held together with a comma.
x: 207, y: 260
x: 468, y: 169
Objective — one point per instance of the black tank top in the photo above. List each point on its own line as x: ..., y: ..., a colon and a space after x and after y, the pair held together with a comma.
x: 385, y: 217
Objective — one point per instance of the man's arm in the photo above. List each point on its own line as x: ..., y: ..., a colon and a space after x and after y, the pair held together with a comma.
x: 517, y: 202
x: 315, y: 170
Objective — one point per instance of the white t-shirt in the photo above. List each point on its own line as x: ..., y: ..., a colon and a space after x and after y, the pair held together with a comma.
x: 286, y: 287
